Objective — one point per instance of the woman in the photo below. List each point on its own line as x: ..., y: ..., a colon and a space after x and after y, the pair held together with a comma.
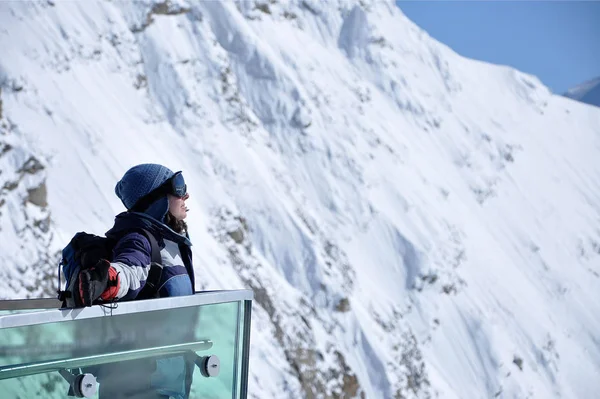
x: 155, y: 200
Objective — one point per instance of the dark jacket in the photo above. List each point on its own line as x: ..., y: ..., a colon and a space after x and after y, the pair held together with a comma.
x: 132, y: 256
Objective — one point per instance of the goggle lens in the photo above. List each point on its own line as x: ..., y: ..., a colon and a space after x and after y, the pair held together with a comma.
x: 178, y: 186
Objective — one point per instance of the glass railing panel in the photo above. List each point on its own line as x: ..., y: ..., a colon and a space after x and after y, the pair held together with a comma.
x: 149, y: 349
x: 219, y: 321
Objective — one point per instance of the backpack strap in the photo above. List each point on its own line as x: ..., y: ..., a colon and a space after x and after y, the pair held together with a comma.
x: 150, y: 289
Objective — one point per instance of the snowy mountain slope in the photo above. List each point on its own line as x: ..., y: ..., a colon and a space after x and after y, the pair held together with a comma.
x: 413, y: 223
x: 588, y: 92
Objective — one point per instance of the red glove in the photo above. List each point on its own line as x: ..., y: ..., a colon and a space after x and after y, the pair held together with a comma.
x: 113, y: 285
x: 100, y: 281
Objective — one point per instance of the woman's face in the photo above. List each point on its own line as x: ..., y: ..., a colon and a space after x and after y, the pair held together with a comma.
x: 177, y: 206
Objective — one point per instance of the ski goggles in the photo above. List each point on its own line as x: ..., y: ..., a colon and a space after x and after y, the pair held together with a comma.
x: 176, y: 185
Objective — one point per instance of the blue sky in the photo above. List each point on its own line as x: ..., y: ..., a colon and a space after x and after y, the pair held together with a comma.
x: 558, y: 41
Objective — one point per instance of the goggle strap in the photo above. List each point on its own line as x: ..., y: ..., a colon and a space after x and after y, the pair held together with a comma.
x: 143, y: 203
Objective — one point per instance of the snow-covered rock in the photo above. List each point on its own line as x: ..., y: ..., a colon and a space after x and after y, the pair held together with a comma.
x: 414, y: 224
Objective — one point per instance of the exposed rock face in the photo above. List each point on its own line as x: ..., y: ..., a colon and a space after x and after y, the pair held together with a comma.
x: 25, y: 219
x: 317, y: 364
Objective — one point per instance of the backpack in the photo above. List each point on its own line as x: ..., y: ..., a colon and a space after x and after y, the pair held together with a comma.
x: 85, y: 250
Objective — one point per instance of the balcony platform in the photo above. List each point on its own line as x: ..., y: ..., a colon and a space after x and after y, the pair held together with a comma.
x: 41, y: 346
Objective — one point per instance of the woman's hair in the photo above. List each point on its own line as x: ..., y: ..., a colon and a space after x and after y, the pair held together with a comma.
x: 178, y: 226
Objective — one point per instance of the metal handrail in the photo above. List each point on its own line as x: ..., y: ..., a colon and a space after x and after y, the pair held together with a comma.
x: 21, y: 370
x: 30, y: 304
x: 119, y: 308
x: 53, y: 303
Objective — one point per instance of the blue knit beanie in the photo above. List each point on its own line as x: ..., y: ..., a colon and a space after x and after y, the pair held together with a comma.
x: 141, y: 180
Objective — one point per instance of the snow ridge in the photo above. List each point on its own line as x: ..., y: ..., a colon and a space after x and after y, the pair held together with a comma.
x: 587, y: 92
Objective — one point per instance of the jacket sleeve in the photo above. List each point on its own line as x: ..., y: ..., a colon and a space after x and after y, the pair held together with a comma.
x: 131, y: 260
